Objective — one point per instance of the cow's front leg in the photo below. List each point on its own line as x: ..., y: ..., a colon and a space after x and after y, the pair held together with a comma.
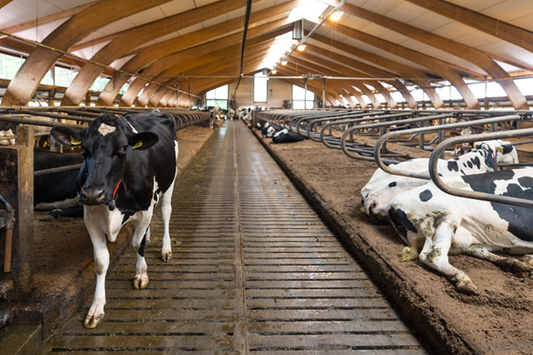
x: 101, y: 263
x: 435, y: 255
x: 139, y: 240
x: 166, y: 211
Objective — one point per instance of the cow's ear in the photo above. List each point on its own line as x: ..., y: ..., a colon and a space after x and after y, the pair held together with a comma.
x: 506, y: 149
x: 66, y: 136
x: 143, y: 140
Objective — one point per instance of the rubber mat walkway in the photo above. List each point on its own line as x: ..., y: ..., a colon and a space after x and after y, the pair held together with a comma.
x: 254, y: 270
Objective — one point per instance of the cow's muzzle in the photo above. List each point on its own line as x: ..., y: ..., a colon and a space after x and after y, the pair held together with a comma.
x: 92, y: 195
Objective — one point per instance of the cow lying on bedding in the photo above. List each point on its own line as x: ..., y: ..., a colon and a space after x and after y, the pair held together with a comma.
x: 284, y: 136
x: 382, y: 187
x: 438, y: 223
x: 130, y: 162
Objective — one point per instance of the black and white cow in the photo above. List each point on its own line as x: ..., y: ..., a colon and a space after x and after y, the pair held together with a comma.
x: 130, y: 162
x: 382, y: 187
x: 269, y: 129
x: 438, y: 223
x: 284, y: 136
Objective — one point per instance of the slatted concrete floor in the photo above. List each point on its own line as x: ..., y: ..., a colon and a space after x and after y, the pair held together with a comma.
x: 254, y: 270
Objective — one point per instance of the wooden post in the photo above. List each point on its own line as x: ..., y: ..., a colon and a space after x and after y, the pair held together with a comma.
x: 16, y: 185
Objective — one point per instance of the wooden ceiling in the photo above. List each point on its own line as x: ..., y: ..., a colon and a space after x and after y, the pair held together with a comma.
x: 383, y: 45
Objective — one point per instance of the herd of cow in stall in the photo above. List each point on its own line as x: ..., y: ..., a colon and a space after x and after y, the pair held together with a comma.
x: 129, y: 164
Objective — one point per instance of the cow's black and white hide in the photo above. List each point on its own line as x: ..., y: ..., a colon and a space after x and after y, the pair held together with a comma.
x: 130, y: 163
x: 382, y: 187
x: 269, y: 129
x: 57, y: 190
x: 260, y: 124
x: 438, y: 224
x: 284, y: 136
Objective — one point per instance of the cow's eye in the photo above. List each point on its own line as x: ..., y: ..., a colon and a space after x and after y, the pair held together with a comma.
x: 123, y: 150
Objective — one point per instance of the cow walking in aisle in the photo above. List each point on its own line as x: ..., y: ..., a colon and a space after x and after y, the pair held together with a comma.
x: 130, y: 163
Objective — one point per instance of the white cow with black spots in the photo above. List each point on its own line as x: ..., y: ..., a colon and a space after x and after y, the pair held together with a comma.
x: 382, y: 187
x: 438, y: 224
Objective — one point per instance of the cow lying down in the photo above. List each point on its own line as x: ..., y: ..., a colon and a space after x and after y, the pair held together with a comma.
x: 284, y: 136
x: 382, y: 186
x: 269, y: 129
x: 130, y: 163
x: 438, y: 224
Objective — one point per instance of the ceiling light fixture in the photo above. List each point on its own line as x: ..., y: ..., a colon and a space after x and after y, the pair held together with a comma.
x: 284, y: 62
x: 301, y: 47
x: 274, y: 71
x: 336, y: 16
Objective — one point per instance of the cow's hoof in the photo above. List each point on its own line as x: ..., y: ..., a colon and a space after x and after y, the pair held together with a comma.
x: 408, y: 254
x: 528, y: 259
x: 467, y: 287
x: 140, y: 283
x: 91, y: 321
x: 166, y: 256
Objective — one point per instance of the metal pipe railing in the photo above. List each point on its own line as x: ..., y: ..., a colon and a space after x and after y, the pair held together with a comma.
x: 381, y: 141
x: 433, y: 161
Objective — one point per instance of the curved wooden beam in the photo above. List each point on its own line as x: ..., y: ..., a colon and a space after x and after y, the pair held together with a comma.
x: 229, y: 43
x: 344, y: 71
x: 192, y: 53
x: 438, y: 66
x: 472, y: 55
x: 218, y: 66
x: 372, y: 71
x: 500, y: 29
x: 338, y: 85
x: 45, y: 19
x: 4, y: 3
x: 149, y: 54
x: 137, y: 36
x: 315, y: 87
x: 39, y: 62
x: 402, y: 69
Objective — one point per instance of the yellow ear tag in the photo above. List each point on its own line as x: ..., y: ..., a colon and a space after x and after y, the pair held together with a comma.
x: 137, y: 145
x: 74, y: 142
x: 501, y: 150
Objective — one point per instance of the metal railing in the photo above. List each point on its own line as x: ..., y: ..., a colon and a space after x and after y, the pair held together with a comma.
x: 433, y: 161
x: 83, y: 116
x: 340, y: 128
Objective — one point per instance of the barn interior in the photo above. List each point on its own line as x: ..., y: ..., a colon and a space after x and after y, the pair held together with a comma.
x: 340, y: 73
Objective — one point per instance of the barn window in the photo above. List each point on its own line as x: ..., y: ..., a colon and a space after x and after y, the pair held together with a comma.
x: 10, y: 65
x: 99, y: 84
x: 260, y: 88
x: 218, y: 97
x: 301, y: 100
x: 64, y: 76
x: 525, y: 85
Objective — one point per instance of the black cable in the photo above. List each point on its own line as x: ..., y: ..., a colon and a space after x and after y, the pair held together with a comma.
x: 246, y: 21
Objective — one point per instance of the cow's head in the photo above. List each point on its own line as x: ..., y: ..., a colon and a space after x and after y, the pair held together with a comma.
x: 106, y: 145
x: 503, y: 151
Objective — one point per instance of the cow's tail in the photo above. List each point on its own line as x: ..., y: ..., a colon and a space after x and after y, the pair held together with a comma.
x: 395, y: 221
